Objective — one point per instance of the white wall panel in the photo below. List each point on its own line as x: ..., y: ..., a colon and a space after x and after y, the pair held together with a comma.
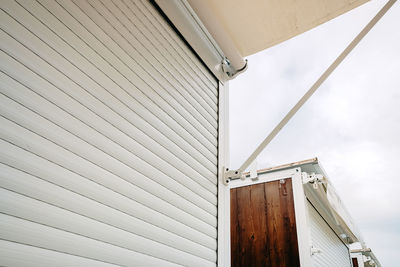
x: 81, y: 71
x: 136, y: 12
x: 334, y: 252
x: 124, y: 197
x: 15, y: 254
x: 192, y: 64
x: 26, y: 232
x: 108, y: 138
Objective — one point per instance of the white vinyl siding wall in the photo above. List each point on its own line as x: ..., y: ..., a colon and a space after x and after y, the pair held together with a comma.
x: 108, y: 138
x: 334, y: 252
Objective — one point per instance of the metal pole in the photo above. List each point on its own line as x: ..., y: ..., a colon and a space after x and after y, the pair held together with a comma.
x: 316, y: 85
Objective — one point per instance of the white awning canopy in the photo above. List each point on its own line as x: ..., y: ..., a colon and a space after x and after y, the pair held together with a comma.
x: 234, y: 29
x: 259, y: 24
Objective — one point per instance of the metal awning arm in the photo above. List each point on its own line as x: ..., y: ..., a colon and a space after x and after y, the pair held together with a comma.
x: 236, y: 174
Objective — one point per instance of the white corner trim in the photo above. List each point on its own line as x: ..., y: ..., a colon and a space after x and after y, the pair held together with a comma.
x: 302, y: 224
x: 224, y: 237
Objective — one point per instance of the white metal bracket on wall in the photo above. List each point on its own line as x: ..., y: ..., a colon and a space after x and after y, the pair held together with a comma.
x: 315, y: 250
x: 230, y: 175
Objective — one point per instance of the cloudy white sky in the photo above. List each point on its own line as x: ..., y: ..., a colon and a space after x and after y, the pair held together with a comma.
x: 352, y: 123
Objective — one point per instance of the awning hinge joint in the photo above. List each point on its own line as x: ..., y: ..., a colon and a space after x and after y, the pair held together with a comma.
x: 229, y: 70
x: 312, y: 178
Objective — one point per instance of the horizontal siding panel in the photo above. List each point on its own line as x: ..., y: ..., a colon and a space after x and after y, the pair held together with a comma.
x: 108, y: 138
x: 124, y: 197
x: 138, y: 25
x: 111, y: 25
x: 141, y: 172
x: 199, y: 113
x: 71, y: 91
x: 96, y: 66
x: 19, y: 255
x: 197, y: 67
x: 84, y: 73
x: 36, y: 188
x: 333, y: 251
x: 39, y: 212
x: 34, y: 234
x: 20, y: 136
x: 74, y: 24
x: 209, y: 175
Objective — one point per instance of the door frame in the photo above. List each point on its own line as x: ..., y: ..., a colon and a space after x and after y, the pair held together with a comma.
x: 300, y: 208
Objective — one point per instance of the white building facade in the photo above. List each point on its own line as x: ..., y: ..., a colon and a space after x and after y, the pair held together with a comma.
x: 113, y: 129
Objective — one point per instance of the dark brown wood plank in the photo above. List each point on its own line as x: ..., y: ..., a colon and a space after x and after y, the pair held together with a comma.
x: 355, y: 262
x: 263, y: 229
x: 235, y: 228
x: 289, y: 224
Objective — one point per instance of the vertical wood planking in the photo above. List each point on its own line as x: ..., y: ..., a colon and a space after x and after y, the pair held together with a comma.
x: 289, y: 223
x: 263, y: 229
x: 355, y: 262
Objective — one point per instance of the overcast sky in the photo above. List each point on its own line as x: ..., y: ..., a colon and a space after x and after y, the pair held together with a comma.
x: 352, y: 123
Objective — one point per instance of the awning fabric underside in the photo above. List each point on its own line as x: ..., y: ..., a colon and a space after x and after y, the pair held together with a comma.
x: 259, y: 24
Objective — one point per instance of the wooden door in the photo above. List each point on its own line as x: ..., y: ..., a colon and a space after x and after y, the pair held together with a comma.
x: 263, y: 226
